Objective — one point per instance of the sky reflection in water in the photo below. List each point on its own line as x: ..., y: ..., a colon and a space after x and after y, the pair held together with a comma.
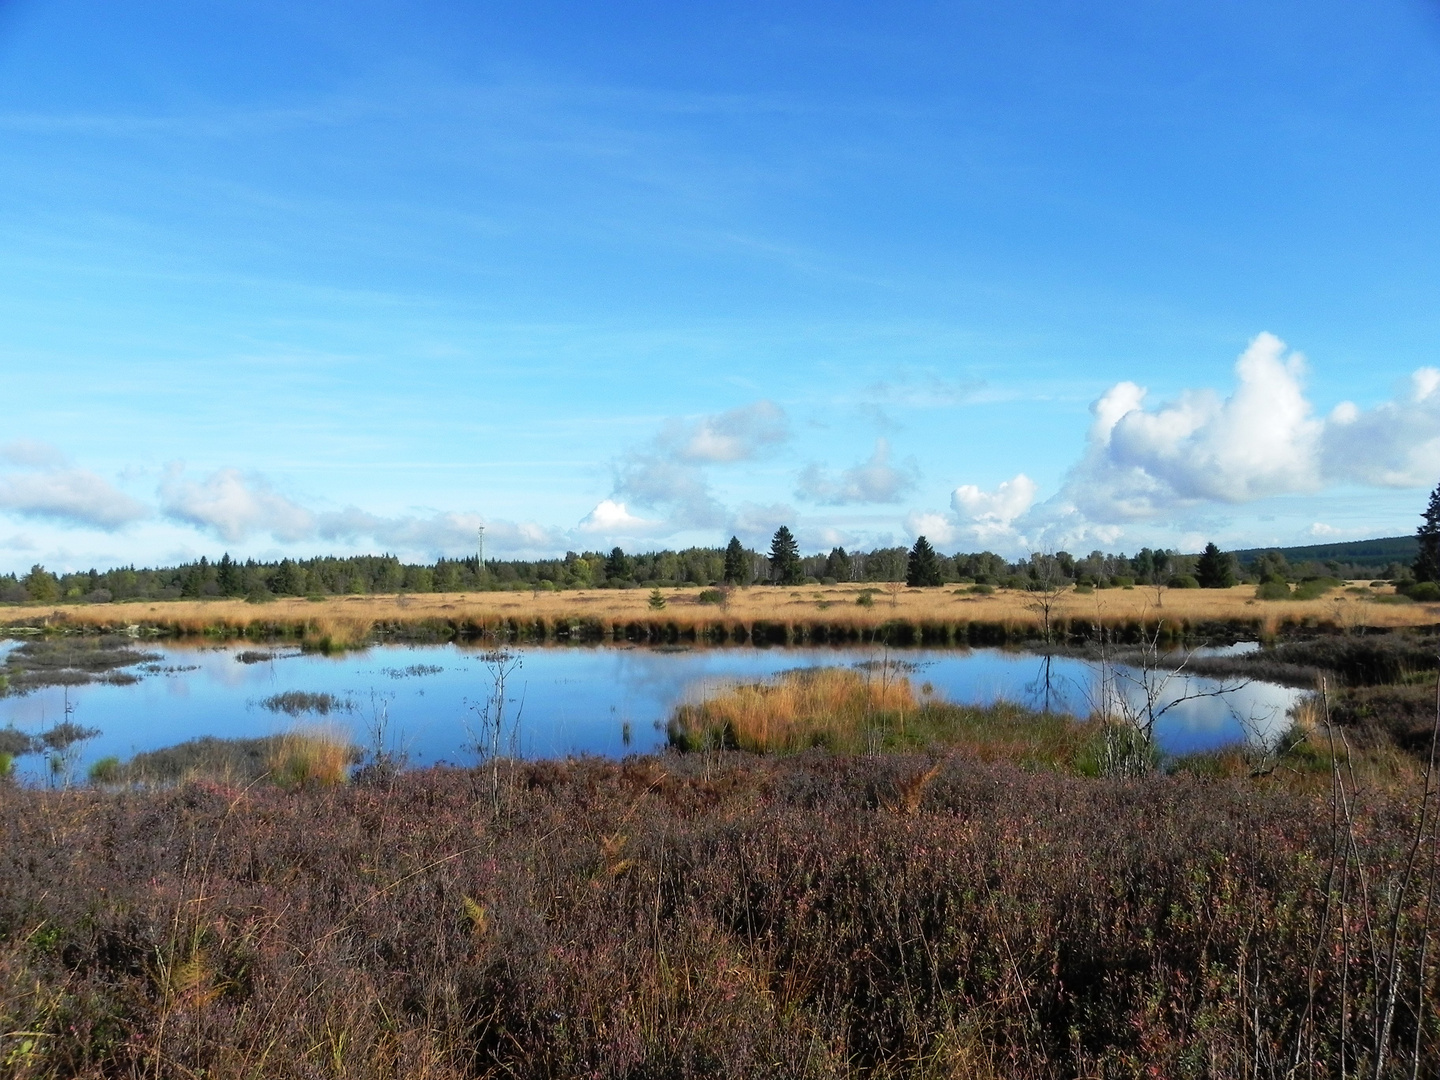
x: 570, y: 700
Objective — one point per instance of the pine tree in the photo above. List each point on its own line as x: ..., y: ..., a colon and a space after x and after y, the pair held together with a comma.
x: 784, y: 558
x: 1214, y: 570
x: 1427, y: 562
x: 737, y: 565
x: 922, y: 568
x: 837, y: 566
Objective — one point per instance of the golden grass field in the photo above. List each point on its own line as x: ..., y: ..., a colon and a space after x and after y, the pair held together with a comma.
x: 351, y: 617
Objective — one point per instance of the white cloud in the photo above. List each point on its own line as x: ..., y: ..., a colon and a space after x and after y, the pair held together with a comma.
x: 670, y: 474
x: 1002, y: 506
x: 735, y: 435
x: 233, y: 506
x: 44, y: 485
x: 872, y: 481
x: 1396, y: 444
x: 1261, y: 440
x: 1165, y: 463
x: 611, y: 518
x: 979, y: 519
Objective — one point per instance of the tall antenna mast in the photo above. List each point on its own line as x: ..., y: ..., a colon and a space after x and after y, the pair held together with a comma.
x: 480, y: 550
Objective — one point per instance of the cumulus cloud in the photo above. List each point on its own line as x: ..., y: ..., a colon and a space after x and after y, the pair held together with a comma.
x: 611, y: 518
x: 872, y: 481
x: 1144, y: 463
x: 43, y: 484
x: 1396, y: 444
x: 984, y: 519
x: 1261, y: 440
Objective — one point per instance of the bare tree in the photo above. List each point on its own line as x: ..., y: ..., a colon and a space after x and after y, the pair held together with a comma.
x: 1138, y: 692
x: 499, y: 733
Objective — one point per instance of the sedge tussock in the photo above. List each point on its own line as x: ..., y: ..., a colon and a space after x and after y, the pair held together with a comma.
x: 313, y: 755
x: 800, y: 708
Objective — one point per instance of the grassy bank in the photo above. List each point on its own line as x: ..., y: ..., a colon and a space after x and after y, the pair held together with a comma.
x: 766, y: 615
x: 806, y: 915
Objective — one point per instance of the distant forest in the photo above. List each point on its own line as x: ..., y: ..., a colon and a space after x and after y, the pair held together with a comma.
x: 617, y: 569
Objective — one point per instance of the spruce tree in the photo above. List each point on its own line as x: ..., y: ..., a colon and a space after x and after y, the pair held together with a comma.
x: 617, y: 566
x: 1427, y: 561
x: 785, y: 558
x: 1214, y: 570
x: 837, y: 566
x: 737, y: 564
x: 922, y: 568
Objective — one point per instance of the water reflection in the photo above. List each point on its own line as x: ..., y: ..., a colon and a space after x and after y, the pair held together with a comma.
x: 607, y: 701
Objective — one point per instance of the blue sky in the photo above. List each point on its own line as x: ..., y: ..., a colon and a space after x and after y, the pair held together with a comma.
x: 291, y: 279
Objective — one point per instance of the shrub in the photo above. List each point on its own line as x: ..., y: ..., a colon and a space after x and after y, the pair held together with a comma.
x: 107, y: 770
x: 709, y: 596
x: 1314, y: 588
x: 1272, y: 590
x: 866, y: 598
x: 7, y: 766
x: 1424, y: 592
x: 1183, y: 581
x: 818, y: 916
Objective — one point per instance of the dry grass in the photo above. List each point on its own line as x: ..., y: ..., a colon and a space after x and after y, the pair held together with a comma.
x: 339, y: 622
x: 311, y: 756
x: 876, y: 710
x: 797, y: 709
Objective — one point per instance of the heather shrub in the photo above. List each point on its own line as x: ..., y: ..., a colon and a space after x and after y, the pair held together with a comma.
x: 716, y: 915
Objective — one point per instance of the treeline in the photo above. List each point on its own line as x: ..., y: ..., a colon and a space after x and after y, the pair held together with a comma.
x: 739, y: 565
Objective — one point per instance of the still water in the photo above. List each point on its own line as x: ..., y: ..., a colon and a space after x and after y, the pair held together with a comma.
x: 601, y: 700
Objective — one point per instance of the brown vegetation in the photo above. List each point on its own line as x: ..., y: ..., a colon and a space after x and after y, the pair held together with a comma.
x: 800, y: 916
x: 876, y: 708
x: 815, y: 613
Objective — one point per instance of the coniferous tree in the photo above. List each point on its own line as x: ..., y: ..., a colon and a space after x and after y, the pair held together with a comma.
x: 737, y: 564
x: 922, y: 567
x: 785, y: 558
x: 617, y: 566
x: 1214, y: 569
x: 837, y: 566
x: 1427, y: 561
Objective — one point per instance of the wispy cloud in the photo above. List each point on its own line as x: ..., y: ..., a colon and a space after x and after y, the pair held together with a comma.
x: 42, y: 483
x: 876, y: 480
